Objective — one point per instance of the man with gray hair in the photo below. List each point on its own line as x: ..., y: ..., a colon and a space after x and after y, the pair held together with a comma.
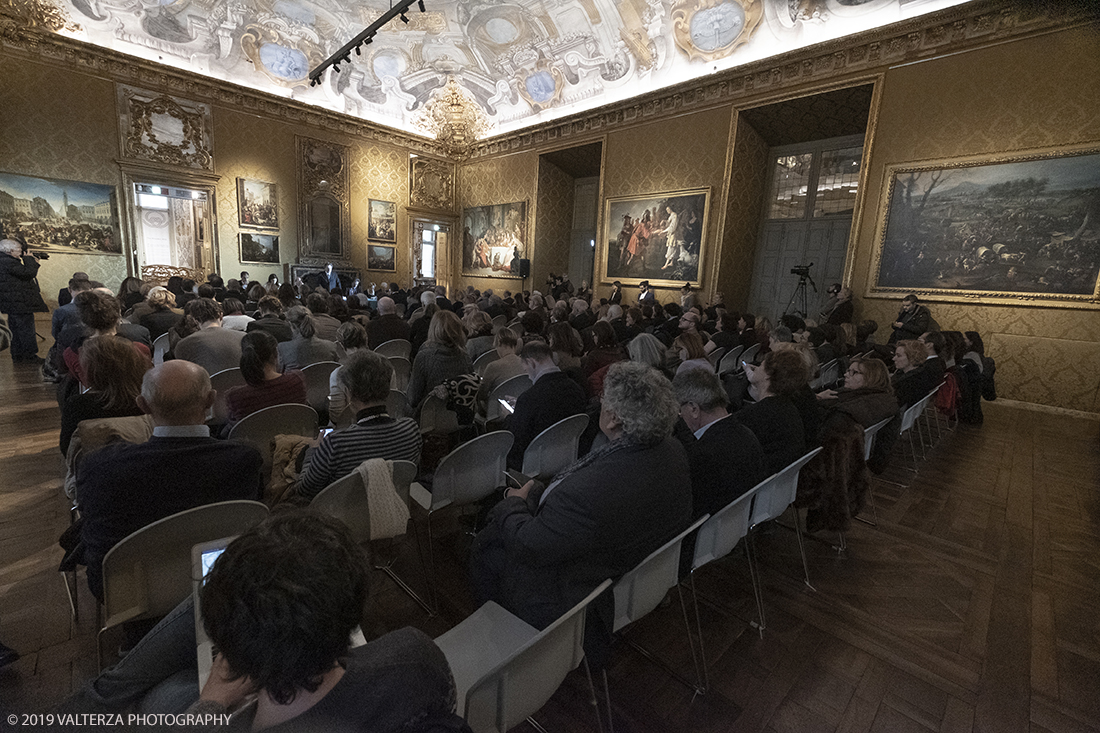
x: 20, y: 299
x: 124, y: 487
x: 388, y: 325
x: 726, y: 458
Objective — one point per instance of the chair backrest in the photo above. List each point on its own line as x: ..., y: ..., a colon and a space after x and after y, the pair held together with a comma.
x: 222, y: 382
x: 513, y: 387
x: 435, y: 417
x: 913, y: 411
x: 643, y: 588
x: 485, y: 360
x: 262, y: 426
x: 346, y: 498
x: 317, y: 382
x: 827, y: 375
x: 721, y: 533
x: 473, y: 470
x: 397, y: 404
x: 555, y: 447
x: 148, y: 573
x: 395, y: 347
x: 499, y: 322
x: 775, y: 493
x: 869, y: 437
x: 750, y: 353
x: 520, y: 685
x: 715, y: 357
x: 731, y: 361
x: 160, y: 348
x: 402, y: 368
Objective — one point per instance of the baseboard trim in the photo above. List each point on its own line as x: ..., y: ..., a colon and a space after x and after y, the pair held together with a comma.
x: 1042, y: 408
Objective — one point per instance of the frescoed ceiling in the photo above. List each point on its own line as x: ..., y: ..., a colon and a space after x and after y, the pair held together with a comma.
x: 523, y: 61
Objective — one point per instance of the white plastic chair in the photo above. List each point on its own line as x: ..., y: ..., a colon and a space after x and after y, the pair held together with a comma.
x: 395, y: 347
x: 160, y: 348
x: 505, y: 670
x: 828, y: 374
x: 499, y: 322
x: 148, y: 573
x: 317, y: 383
x: 485, y: 360
x: 909, y: 419
x: 868, y: 444
x: 513, y: 387
x: 464, y: 476
x: 221, y: 382
x: 435, y: 417
x: 554, y: 448
x: 715, y: 357
x: 402, y: 368
x: 731, y: 361
x: 773, y: 495
x: 261, y: 427
x: 749, y: 354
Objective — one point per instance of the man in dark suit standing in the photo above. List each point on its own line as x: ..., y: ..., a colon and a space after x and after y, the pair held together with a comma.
x: 725, y: 456
x: 124, y: 487
x: 553, y: 396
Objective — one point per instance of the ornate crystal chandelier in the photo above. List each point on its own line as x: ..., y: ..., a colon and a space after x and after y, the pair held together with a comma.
x: 454, y: 118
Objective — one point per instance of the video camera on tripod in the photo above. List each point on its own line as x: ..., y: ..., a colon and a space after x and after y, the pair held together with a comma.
x: 802, y: 270
x: 799, y: 294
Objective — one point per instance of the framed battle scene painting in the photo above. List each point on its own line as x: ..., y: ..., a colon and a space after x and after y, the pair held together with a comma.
x: 994, y: 228
x: 259, y: 248
x: 257, y: 204
x: 381, y: 257
x: 381, y: 220
x: 656, y: 237
x: 59, y: 216
x: 494, y: 240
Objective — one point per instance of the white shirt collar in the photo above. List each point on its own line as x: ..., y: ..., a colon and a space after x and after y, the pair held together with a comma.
x: 700, y: 431
x: 548, y: 369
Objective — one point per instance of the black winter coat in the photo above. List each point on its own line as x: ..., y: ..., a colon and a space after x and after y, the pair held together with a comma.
x: 18, y: 287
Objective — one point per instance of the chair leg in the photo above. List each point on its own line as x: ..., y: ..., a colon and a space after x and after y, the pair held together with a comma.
x: 802, y: 548
x: 594, y: 699
x: 701, y: 673
x: 874, y: 508
x: 72, y: 590
x: 607, y: 699
x: 433, y: 597
x: 754, y: 573
x: 99, y: 637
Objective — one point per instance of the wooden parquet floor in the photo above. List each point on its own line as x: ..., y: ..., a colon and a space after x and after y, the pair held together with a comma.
x: 974, y: 605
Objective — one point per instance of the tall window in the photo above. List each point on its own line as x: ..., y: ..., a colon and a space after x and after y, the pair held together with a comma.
x: 815, y: 181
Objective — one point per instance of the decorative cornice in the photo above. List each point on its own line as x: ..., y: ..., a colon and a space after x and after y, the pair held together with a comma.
x: 953, y: 30
x: 37, y: 43
x: 21, y: 21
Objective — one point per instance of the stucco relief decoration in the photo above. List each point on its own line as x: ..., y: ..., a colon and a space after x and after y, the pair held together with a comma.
x: 282, y: 52
x: 712, y: 29
x: 431, y: 183
x: 541, y: 86
x: 324, y: 198
x: 165, y: 129
x: 19, y: 18
x: 454, y: 118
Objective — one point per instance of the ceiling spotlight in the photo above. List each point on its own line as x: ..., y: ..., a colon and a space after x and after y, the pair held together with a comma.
x: 336, y: 68
x: 421, y: 4
x: 404, y: 18
x: 358, y: 50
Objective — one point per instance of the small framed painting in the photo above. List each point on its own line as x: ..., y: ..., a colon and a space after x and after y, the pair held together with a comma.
x: 382, y: 221
x: 259, y: 248
x: 381, y: 257
x: 257, y: 204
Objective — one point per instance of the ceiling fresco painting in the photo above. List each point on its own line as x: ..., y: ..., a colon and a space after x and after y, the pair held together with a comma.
x: 523, y: 62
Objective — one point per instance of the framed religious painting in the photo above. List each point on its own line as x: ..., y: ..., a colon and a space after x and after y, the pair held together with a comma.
x: 381, y: 220
x: 257, y: 204
x: 659, y: 237
x: 993, y: 228
x: 494, y: 240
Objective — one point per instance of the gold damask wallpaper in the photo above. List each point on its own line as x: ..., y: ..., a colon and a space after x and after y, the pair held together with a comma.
x: 553, y: 224
x: 70, y: 133
x: 1041, y: 92
x: 496, y: 181
x: 748, y: 184
x: 674, y: 154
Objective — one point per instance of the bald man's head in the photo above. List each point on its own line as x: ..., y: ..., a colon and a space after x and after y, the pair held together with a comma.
x: 386, y: 306
x: 176, y: 393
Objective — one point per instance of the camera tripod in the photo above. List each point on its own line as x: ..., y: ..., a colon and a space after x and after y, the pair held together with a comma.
x: 799, y: 295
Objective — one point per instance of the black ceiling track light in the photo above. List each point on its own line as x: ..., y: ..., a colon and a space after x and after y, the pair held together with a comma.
x: 343, y: 56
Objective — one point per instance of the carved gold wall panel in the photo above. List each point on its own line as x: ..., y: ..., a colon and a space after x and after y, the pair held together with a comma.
x: 553, y: 224
x: 1034, y: 93
x: 163, y: 129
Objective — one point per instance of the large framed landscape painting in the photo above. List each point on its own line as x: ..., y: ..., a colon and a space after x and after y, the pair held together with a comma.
x: 656, y: 237
x: 60, y: 216
x: 494, y: 240
x: 1011, y: 229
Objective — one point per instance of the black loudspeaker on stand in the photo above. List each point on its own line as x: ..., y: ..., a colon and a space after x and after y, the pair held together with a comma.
x: 525, y: 269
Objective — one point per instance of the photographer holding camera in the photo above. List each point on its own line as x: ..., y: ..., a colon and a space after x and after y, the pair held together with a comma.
x: 20, y: 298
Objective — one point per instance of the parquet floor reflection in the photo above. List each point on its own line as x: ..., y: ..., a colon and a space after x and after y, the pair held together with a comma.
x: 974, y: 605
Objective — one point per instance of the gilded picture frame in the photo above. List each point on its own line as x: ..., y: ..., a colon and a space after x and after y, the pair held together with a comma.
x: 381, y: 257
x: 659, y: 237
x: 494, y: 240
x: 258, y: 249
x: 1018, y: 228
x: 257, y: 204
x: 60, y: 216
x: 381, y: 221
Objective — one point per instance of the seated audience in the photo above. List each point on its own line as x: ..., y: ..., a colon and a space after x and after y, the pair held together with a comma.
x: 269, y: 317
x: 726, y: 335
x: 606, y: 349
x: 123, y: 487
x: 265, y: 385
x: 212, y: 347
x: 689, y: 347
x: 773, y: 417
x: 161, y: 313
x: 129, y: 293
x: 324, y: 325
x: 567, y: 346
x: 912, y: 383
x: 306, y: 347
x: 67, y: 314
x: 500, y: 371
x: 645, y: 348
x: 352, y: 336
x: 725, y: 457
x: 114, y: 371
x: 935, y: 348
x: 746, y: 330
x: 100, y: 315
x: 366, y: 377
x: 442, y: 357
x: 234, y: 318
x: 867, y: 395
x: 553, y: 396
x: 280, y: 606
x: 479, y: 333
x: 388, y: 326
x: 544, y: 549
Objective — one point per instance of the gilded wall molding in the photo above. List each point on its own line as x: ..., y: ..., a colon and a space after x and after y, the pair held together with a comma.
x: 38, y: 44
x: 163, y: 129
x: 950, y: 31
